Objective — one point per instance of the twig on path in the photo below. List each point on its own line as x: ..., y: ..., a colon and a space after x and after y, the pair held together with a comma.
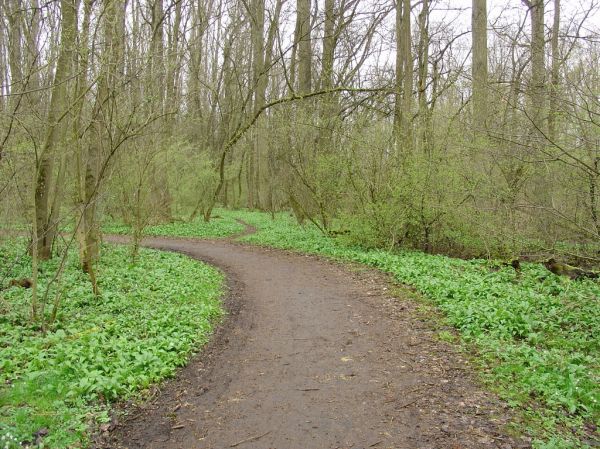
x: 247, y: 440
x: 409, y: 403
x: 308, y: 389
x: 178, y: 426
x: 318, y: 337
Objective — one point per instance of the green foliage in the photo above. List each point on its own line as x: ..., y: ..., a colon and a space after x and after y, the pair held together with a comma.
x: 193, y: 192
x: 537, y: 334
x: 218, y: 226
x: 421, y: 201
x: 150, y: 317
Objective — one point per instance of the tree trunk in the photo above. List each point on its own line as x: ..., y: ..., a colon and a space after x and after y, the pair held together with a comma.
x: 15, y: 58
x: 554, y: 74
x: 408, y: 78
x: 82, y: 61
x: 46, y: 229
x: 259, y: 78
x: 479, y: 67
x: 537, y: 86
x: 173, y: 70
x: 426, y: 135
x: 304, y: 46
x: 104, y: 102
x: 398, y: 80
x: 327, y: 102
x: 403, y: 82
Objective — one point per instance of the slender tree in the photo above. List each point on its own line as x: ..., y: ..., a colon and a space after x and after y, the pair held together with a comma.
x: 537, y: 87
x: 554, y: 73
x: 479, y: 68
x: 304, y: 46
x: 57, y: 111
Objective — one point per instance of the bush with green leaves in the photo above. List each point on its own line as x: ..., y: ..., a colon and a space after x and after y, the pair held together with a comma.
x: 149, y: 319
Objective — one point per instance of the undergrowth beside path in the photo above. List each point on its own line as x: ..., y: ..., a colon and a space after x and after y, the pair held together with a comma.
x: 536, y: 335
x: 219, y: 226
x: 150, y: 317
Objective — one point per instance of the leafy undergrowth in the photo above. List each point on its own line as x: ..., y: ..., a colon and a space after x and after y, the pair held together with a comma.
x: 218, y: 226
x: 150, y: 317
x: 537, y: 335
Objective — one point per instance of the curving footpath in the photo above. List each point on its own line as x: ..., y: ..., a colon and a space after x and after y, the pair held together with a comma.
x: 314, y: 355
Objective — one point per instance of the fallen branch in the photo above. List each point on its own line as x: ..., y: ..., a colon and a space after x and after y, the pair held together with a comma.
x: 408, y: 403
x: 247, y: 440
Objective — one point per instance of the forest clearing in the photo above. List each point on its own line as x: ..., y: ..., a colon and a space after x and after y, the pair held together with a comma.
x: 283, y: 224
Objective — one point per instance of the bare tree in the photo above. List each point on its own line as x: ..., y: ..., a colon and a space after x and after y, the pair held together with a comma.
x: 554, y: 73
x: 537, y: 87
x: 479, y: 68
x: 304, y: 46
x: 404, y: 77
x: 45, y: 214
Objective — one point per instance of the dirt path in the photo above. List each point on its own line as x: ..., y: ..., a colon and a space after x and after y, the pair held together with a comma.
x: 314, y: 356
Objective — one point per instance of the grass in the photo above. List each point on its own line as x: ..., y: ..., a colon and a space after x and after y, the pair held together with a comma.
x: 219, y: 226
x: 537, y: 334
x: 150, y: 318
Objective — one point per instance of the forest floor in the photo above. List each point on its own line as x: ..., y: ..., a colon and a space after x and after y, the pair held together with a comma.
x: 315, y: 354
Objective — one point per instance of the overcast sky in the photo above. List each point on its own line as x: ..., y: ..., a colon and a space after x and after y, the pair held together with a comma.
x: 460, y: 11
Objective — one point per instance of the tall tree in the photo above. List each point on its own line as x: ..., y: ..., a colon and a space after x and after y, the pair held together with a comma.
x: 45, y: 228
x: 408, y: 75
x: 329, y: 41
x: 554, y: 74
x: 327, y: 112
x: 304, y: 46
x: 259, y: 84
x: 479, y: 67
x: 174, y: 69
x: 15, y: 47
x: 426, y: 138
x: 537, y: 88
x: 404, y: 78
x: 157, y: 55
x: 100, y: 139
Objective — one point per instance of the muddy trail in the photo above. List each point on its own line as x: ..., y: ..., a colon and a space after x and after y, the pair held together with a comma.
x: 314, y: 355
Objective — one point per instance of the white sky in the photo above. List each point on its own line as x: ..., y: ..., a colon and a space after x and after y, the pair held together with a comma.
x: 459, y: 11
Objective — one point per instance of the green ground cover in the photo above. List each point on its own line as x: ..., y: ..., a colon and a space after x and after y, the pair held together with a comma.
x: 219, y: 226
x: 149, y: 319
x: 537, y: 335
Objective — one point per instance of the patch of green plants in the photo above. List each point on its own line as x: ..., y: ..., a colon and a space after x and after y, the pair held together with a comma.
x: 151, y: 316
x: 218, y: 226
x: 537, y: 334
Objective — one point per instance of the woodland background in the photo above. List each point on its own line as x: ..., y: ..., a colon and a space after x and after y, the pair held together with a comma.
x: 423, y: 124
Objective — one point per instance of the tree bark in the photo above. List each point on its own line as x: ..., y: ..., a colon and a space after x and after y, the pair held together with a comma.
x: 537, y: 86
x: 399, y: 76
x: 104, y: 103
x: 15, y: 32
x: 404, y: 79
x: 259, y: 85
x: 304, y: 46
x: 327, y: 61
x: 408, y: 77
x: 46, y: 230
x: 479, y: 68
x: 554, y: 74
x: 426, y: 135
